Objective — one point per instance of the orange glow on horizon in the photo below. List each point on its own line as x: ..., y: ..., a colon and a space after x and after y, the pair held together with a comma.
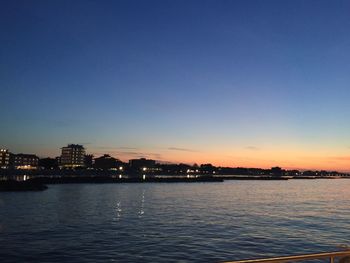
x: 287, y: 159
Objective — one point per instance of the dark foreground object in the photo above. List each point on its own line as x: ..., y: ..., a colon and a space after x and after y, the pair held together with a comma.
x: 12, y: 185
x: 101, y: 179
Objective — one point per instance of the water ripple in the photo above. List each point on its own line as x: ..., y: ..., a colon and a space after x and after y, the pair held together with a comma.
x: 174, y: 222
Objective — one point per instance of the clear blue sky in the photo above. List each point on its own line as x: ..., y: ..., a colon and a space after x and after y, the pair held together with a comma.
x: 254, y: 83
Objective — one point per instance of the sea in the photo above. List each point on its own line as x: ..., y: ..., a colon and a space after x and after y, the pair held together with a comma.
x: 174, y: 222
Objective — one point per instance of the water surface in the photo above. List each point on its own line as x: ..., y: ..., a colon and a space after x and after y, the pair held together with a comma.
x: 174, y: 222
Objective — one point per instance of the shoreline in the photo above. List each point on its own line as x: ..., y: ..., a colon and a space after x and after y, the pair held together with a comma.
x: 40, y: 183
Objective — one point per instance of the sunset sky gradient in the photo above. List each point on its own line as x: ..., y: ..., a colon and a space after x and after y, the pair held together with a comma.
x: 233, y: 83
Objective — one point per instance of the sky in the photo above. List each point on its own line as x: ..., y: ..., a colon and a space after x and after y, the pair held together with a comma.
x: 254, y: 83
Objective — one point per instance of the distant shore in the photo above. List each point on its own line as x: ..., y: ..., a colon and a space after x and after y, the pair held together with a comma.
x: 39, y: 183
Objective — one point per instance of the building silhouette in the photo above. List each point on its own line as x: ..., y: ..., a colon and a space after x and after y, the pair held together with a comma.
x: 48, y: 163
x: 107, y: 162
x: 141, y: 164
x: 72, y: 156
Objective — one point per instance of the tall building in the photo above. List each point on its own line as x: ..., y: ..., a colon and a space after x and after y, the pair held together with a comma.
x: 4, y: 158
x: 24, y: 161
x: 72, y: 156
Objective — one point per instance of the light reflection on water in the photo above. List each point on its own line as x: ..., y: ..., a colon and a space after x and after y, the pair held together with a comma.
x: 174, y: 222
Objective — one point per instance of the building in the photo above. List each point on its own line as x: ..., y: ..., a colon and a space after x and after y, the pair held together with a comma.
x: 24, y: 161
x: 141, y: 164
x: 4, y: 158
x: 48, y: 163
x: 277, y: 171
x: 72, y: 156
x: 107, y: 162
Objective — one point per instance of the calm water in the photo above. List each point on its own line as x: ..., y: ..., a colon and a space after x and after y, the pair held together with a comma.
x: 177, y: 222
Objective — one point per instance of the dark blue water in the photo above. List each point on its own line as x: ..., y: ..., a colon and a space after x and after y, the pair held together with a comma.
x: 176, y: 222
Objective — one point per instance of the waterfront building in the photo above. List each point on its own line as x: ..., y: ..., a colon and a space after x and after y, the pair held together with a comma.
x: 277, y: 171
x: 142, y: 164
x: 24, y: 161
x: 72, y: 156
x: 4, y: 158
x: 48, y: 163
x: 107, y: 162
